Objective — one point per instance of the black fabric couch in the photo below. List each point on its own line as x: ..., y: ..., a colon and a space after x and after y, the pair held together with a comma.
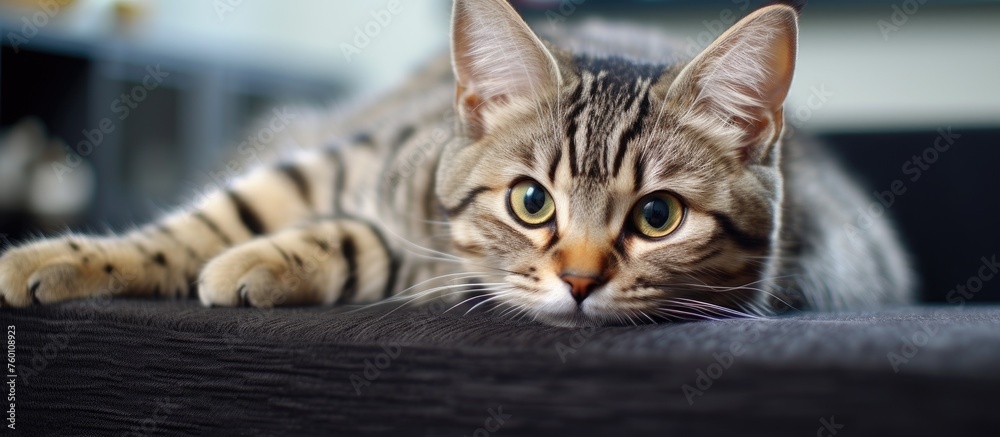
x: 128, y: 367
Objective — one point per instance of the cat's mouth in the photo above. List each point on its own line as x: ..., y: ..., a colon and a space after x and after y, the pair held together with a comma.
x: 553, y: 304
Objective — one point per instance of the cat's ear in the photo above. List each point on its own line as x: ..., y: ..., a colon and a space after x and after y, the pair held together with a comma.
x: 497, y: 59
x: 737, y: 86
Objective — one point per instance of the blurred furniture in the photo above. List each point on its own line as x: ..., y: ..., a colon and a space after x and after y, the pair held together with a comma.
x: 161, y: 136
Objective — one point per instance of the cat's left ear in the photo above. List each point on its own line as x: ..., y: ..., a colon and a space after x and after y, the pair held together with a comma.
x: 737, y: 86
x: 498, y: 60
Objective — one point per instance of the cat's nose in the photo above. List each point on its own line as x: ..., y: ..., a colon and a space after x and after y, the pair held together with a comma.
x: 581, y: 286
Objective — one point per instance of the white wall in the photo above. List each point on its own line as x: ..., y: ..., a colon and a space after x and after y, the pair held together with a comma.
x: 303, y: 36
x: 940, y: 68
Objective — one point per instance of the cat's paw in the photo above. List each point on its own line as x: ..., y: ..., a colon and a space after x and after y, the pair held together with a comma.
x: 57, y: 269
x: 269, y: 272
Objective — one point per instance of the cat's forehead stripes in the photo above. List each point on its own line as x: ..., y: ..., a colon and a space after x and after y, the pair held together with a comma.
x: 605, y: 114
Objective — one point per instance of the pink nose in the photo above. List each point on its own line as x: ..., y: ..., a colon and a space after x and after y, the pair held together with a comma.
x: 581, y: 286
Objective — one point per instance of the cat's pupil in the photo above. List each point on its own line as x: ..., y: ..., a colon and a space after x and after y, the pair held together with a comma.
x: 656, y: 212
x: 534, y: 199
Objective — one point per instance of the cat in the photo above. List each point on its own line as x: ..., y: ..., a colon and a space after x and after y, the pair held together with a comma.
x: 592, y: 186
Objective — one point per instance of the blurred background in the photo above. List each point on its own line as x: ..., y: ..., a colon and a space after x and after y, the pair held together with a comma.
x: 150, y: 98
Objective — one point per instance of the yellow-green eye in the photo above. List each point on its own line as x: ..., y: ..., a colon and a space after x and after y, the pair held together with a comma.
x: 658, y: 214
x: 530, y: 203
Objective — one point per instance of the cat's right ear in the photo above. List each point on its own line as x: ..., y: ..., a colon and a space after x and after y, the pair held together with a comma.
x: 498, y: 61
x: 736, y: 87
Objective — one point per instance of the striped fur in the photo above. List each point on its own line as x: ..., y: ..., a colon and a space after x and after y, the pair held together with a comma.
x: 414, y: 190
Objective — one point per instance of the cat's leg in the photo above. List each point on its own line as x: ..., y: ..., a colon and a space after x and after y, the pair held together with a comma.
x: 327, y: 261
x: 165, y: 258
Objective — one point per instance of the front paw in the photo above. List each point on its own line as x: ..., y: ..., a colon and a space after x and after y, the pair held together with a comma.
x: 53, y: 270
x: 265, y: 273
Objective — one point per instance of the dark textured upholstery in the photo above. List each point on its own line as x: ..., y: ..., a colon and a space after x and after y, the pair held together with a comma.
x: 133, y: 367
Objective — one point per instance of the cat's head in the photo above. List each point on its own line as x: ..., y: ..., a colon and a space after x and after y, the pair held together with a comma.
x: 610, y: 190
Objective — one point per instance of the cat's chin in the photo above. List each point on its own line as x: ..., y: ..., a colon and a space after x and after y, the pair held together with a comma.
x: 568, y: 319
x: 576, y: 317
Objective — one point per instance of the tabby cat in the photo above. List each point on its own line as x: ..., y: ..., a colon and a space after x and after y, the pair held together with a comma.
x: 582, y: 180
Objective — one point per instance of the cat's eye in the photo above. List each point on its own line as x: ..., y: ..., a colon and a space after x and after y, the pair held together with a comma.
x: 658, y: 214
x: 530, y: 203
